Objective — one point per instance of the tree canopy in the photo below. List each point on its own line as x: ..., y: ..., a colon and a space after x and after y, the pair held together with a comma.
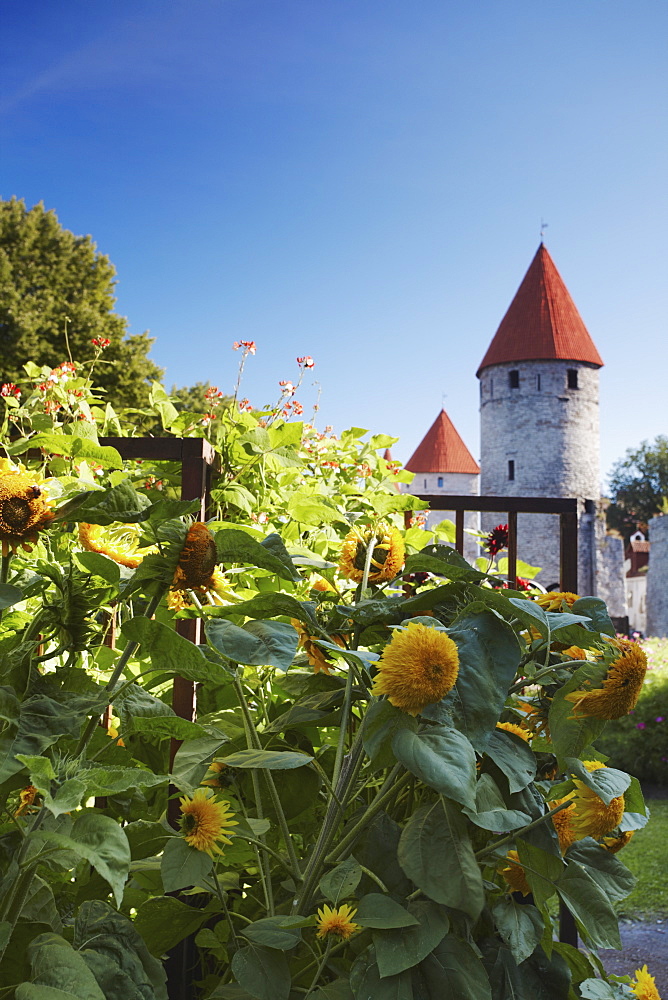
x: 57, y: 295
x: 639, y: 484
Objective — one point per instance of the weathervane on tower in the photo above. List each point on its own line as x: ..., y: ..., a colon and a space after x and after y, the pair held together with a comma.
x: 543, y: 226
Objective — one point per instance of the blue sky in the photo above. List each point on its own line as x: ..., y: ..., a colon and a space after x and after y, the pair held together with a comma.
x: 358, y: 180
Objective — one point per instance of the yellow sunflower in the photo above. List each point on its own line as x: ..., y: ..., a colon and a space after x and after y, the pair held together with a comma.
x: 514, y: 874
x: 536, y: 716
x: 318, y: 658
x: 574, y: 653
x: 553, y: 600
x: 27, y: 798
x: 591, y: 817
x: 418, y: 667
x: 119, y: 542
x: 511, y: 727
x: 24, y: 510
x: 205, y: 822
x: 388, y: 553
x: 621, y: 686
x: 615, y: 844
x: 197, y: 560
x: 563, y: 824
x: 645, y: 987
x: 217, y: 775
x: 336, y: 922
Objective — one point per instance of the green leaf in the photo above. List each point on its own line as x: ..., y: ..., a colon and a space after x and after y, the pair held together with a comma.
x: 381, y: 912
x: 442, y: 561
x: 595, y: 609
x: 34, y: 991
x: 599, y: 989
x: 275, y: 932
x: 67, y: 797
x: 491, y: 810
x: 381, y: 722
x: 442, y: 758
x: 183, y: 866
x: 607, y: 782
x: 570, y: 735
x: 99, y: 565
x: 258, y: 643
x: 271, y: 760
x: 454, y: 971
x: 312, y: 510
x: 436, y: 853
x: 9, y: 595
x: 609, y: 873
x: 542, y: 870
x: 146, y: 839
x: 341, y: 882
x: 102, y: 842
x: 10, y: 706
x: 489, y: 655
x: 520, y: 927
x: 514, y: 757
x: 113, y: 780
x: 263, y: 972
x: 120, y: 503
x: 366, y: 981
x: 163, y: 921
x: 589, y: 905
x: 339, y: 989
x: 404, y: 947
x: 55, y: 963
x: 193, y: 758
x: 235, y: 546
x: 270, y: 606
x: 42, y: 720
x: 169, y: 726
x: 171, y: 652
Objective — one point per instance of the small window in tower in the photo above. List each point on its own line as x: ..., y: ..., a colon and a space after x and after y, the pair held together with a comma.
x: 491, y: 387
x: 511, y: 469
x: 440, y: 482
x: 514, y: 379
x: 425, y: 484
x: 537, y: 383
x: 572, y: 378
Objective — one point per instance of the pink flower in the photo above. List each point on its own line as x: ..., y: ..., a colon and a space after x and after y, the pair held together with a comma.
x: 660, y: 718
x: 640, y: 725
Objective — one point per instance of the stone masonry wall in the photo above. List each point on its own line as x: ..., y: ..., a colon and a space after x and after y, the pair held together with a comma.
x: 657, y: 577
x: 453, y: 484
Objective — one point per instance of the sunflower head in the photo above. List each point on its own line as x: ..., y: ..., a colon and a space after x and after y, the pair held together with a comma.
x: 387, y: 557
x: 27, y: 798
x: 644, y: 986
x: 417, y: 668
x: 563, y: 824
x: 205, y: 822
x: 511, y: 727
x: 591, y: 816
x: 336, y: 922
x: 554, y: 599
x: 197, y: 560
x: 615, y: 844
x: 514, y: 875
x: 620, y: 688
x: 317, y: 657
x: 119, y: 542
x: 24, y: 510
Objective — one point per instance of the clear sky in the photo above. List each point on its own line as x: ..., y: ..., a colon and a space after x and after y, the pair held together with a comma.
x: 358, y: 180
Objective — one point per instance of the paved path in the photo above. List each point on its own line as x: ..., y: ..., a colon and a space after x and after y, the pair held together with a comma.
x: 643, y: 943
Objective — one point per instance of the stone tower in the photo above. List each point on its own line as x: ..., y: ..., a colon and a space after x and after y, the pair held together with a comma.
x: 539, y: 419
x: 442, y: 465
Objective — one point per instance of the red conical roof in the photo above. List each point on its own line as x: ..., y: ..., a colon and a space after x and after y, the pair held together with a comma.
x: 542, y: 322
x: 442, y: 450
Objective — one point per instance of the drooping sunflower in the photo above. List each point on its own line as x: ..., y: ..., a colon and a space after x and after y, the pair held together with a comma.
x: 197, y: 560
x: 387, y: 558
x: 621, y: 686
x: 336, y: 922
x: 563, y: 823
x: 514, y: 874
x: 27, y: 798
x: 553, y: 600
x: 644, y: 986
x: 511, y: 727
x: 591, y: 817
x: 537, y: 715
x: 217, y: 590
x: 615, y: 844
x: 119, y: 542
x: 205, y: 822
x: 24, y: 510
x: 317, y: 657
x: 417, y: 668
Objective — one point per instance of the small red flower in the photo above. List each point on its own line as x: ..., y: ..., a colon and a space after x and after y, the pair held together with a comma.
x: 306, y: 361
x: 248, y: 345
x: 101, y: 342
x: 10, y: 389
x: 287, y: 388
x: 213, y: 393
x: 496, y: 540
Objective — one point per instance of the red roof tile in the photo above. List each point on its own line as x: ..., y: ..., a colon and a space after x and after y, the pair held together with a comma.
x: 442, y: 450
x: 542, y: 322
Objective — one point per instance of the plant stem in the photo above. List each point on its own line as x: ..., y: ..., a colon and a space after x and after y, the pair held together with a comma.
x: 532, y: 680
x: 343, y: 732
x: 518, y: 833
x: 319, y: 970
x: 378, y: 803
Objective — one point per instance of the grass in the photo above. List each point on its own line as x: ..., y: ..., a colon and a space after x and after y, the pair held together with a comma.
x: 647, y: 858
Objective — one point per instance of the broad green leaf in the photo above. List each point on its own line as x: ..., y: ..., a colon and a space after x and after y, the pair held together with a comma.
x: 272, y: 760
x: 9, y: 595
x: 183, y: 866
x: 193, y: 758
x: 571, y: 734
x: 514, y: 757
x: 263, y: 972
x: 99, y: 565
x: 442, y: 561
x: 366, y: 981
x: 146, y: 839
x: 491, y: 810
x: 275, y: 932
x: 453, y: 970
x: 171, y: 652
x: 521, y: 927
x: 609, y: 873
x: 235, y: 546
x: 542, y: 870
x: 113, y: 780
x: 40, y: 906
x: 169, y: 726
x: 101, y: 841
x: 381, y: 912
x: 163, y: 921
x: 436, y: 853
x: 595, y: 609
x: 404, y: 947
x: 599, y: 989
x: 339, y: 989
x: 442, y: 758
x: 35, y: 991
x: 341, y: 882
x: 607, y: 782
x: 545, y: 978
x: 55, y: 963
x: 10, y: 706
x: 258, y: 643
x: 589, y: 905
x: 120, y: 503
x: 41, y: 721
x: 381, y: 722
x: 270, y: 606
x: 312, y: 510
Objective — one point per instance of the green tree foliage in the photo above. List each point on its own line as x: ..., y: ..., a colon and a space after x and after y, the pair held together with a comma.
x: 193, y: 398
x: 51, y: 280
x: 639, y: 485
